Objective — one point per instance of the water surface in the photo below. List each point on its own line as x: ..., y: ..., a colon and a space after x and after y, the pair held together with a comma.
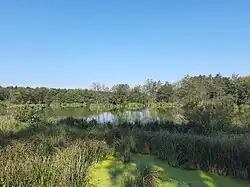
x: 144, y: 115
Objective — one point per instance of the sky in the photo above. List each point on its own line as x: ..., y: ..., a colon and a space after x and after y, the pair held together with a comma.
x: 70, y: 44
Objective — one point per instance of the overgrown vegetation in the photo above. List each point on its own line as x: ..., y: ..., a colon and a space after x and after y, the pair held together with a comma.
x: 146, y: 177
x: 26, y: 113
x: 216, y: 102
x: 48, y: 154
x: 124, y: 147
x: 3, y: 108
x: 212, y: 133
x: 59, y: 153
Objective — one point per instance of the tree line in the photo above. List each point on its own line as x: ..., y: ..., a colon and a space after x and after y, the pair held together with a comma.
x: 189, y: 89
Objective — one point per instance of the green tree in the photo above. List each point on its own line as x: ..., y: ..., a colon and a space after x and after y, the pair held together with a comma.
x: 151, y: 87
x: 120, y: 93
x: 165, y: 93
x: 215, y: 114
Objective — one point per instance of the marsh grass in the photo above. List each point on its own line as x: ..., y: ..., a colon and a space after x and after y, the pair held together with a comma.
x: 124, y: 147
x: 147, y: 176
x: 9, y: 124
x: 23, y: 164
x: 47, y: 154
x: 226, y: 155
x: 59, y: 152
x: 222, y: 153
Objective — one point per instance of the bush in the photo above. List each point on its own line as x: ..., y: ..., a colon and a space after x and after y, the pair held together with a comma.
x: 8, y: 124
x: 147, y: 177
x: 212, y: 115
x: 124, y: 146
x: 26, y: 113
x: 242, y: 117
x: 3, y: 108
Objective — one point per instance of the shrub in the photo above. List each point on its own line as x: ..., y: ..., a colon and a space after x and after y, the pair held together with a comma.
x: 212, y: 115
x: 27, y: 113
x: 147, y: 177
x: 8, y: 124
x: 242, y: 117
x: 3, y: 108
x: 124, y: 146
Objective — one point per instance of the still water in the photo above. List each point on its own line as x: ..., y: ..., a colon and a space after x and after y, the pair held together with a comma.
x: 144, y: 115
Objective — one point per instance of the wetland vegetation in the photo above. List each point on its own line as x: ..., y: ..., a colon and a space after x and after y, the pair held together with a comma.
x: 195, y: 132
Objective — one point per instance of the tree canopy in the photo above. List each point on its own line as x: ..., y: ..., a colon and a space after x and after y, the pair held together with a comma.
x: 189, y: 89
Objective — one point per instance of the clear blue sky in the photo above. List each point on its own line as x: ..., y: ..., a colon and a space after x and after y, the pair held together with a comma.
x: 73, y: 43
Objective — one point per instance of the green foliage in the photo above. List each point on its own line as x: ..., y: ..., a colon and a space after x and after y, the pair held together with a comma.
x: 59, y: 153
x: 224, y: 154
x: 124, y: 146
x: 165, y: 93
x: 128, y: 182
x: 134, y: 106
x: 48, y: 155
x: 66, y: 167
x: 147, y: 177
x: 242, y: 116
x: 3, y: 108
x: 212, y: 115
x: 189, y: 89
x: 27, y: 113
x: 8, y: 124
x: 221, y: 153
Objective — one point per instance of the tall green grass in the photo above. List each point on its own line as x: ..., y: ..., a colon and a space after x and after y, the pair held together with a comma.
x: 147, y: 177
x: 23, y: 164
x: 224, y: 154
x: 9, y: 124
x: 48, y: 154
x: 59, y: 152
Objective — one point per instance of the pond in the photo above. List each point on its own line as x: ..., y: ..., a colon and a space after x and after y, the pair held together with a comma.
x: 144, y: 115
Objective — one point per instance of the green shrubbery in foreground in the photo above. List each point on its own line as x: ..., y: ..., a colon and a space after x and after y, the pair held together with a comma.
x: 60, y: 152
x: 3, y: 108
x: 48, y: 156
x: 226, y: 155
x: 147, y: 177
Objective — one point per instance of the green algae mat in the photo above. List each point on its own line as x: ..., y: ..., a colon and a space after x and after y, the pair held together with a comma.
x: 111, y: 172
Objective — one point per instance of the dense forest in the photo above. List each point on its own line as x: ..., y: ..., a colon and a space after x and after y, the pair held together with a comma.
x: 188, y: 89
